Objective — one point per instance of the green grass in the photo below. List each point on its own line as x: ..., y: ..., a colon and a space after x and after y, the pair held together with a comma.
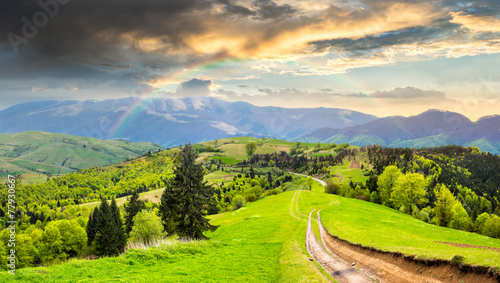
x: 258, y: 243
x: 387, y: 229
x: 354, y: 175
x: 218, y: 177
x: 227, y: 160
x: 42, y: 152
x: 153, y: 196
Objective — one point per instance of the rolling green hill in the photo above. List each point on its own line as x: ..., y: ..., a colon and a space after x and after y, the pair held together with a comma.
x: 48, y: 153
x: 264, y: 241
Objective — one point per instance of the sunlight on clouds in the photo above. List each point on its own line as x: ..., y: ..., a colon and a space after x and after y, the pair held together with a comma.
x: 476, y: 23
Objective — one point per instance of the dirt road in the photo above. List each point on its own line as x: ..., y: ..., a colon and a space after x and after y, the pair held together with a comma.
x: 338, y: 269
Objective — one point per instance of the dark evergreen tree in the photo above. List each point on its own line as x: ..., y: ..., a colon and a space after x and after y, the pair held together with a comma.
x: 135, y: 205
x: 110, y: 236
x: 186, y: 199
x: 120, y: 239
x: 252, y: 173
x: 105, y: 231
x: 269, y: 178
x: 92, y: 226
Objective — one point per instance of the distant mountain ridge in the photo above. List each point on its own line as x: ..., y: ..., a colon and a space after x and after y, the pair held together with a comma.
x: 172, y: 121
x: 431, y: 128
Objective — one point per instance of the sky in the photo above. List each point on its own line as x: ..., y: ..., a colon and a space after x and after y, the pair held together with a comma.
x: 382, y: 57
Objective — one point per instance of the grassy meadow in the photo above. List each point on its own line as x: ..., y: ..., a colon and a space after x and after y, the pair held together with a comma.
x: 260, y: 242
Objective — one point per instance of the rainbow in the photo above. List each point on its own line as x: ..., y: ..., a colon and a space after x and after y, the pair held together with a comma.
x: 200, y: 67
x: 188, y: 72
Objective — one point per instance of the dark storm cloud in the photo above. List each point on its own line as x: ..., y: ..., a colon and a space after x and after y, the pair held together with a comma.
x: 194, y: 87
x: 233, y: 9
x: 417, y: 34
x: 258, y: 10
x: 267, y: 9
x: 87, y: 25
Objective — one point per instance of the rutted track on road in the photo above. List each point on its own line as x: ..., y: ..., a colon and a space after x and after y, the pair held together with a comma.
x: 336, y: 255
x: 338, y: 269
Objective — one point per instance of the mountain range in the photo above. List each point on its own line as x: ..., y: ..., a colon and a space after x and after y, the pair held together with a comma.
x: 174, y: 121
x: 431, y: 128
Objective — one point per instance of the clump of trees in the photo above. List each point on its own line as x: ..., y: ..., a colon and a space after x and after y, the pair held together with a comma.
x: 431, y: 186
x: 105, y: 230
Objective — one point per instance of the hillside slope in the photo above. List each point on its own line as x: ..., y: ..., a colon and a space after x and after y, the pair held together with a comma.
x: 48, y: 153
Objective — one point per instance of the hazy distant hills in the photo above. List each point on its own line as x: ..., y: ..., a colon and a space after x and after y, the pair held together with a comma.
x: 171, y: 121
x: 174, y: 121
x: 431, y: 128
x: 49, y: 153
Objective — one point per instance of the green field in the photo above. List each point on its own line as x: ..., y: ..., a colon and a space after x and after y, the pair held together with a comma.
x: 233, y: 149
x: 152, y: 196
x: 53, y: 154
x: 261, y: 242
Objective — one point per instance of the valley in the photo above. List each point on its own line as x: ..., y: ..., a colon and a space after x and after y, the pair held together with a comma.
x: 267, y: 238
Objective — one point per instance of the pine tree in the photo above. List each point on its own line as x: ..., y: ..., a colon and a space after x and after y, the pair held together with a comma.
x: 110, y: 237
x: 105, y: 230
x: 135, y: 205
x: 91, y: 226
x: 186, y: 198
x: 120, y: 238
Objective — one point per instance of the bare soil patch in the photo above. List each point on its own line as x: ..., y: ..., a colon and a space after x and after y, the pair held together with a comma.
x: 460, y: 245
x: 354, y: 165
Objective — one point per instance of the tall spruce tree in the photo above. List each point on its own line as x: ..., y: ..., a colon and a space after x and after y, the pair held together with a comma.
x: 186, y: 198
x: 135, y: 205
x: 92, y: 226
x: 120, y: 236
x: 110, y: 237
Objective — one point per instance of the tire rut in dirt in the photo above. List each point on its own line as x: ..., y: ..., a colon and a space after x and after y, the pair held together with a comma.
x: 339, y: 270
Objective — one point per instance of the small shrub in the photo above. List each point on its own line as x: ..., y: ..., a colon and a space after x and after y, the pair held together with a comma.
x: 457, y: 260
x: 238, y: 202
x: 147, y: 228
x: 251, y: 197
x: 332, y: 187
x: 276, y: 191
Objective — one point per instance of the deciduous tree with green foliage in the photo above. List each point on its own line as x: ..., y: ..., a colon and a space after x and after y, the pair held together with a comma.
x: 309, y: 182
x: 444, y: 205
x: 147, y: 228
x: 186, y: 198
x: 250, y: 148
x: 410, y: 190
x: 386, y: 183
